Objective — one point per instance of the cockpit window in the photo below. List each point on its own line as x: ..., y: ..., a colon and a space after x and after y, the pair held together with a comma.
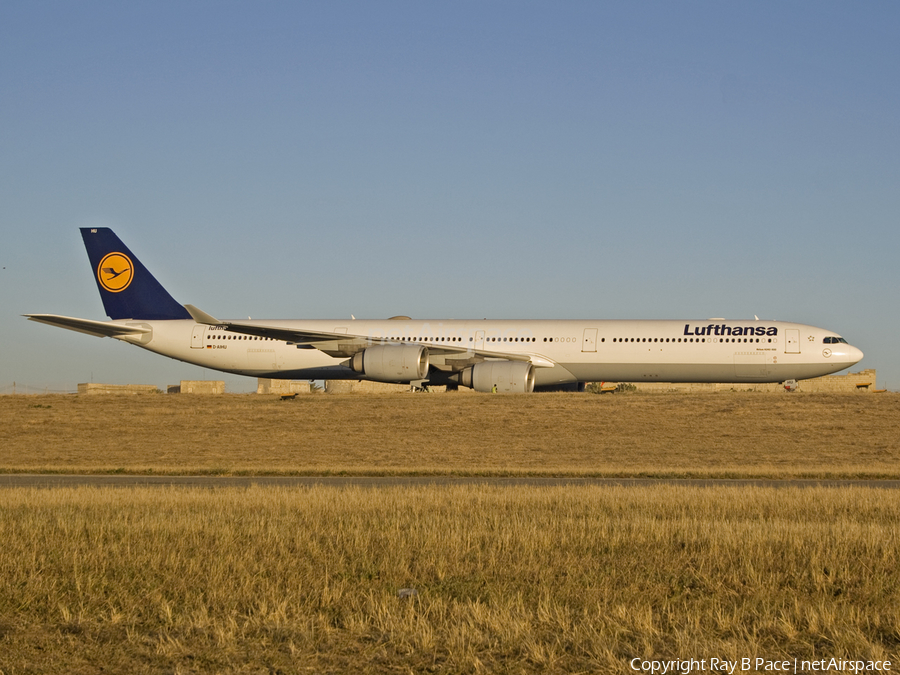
x: 835, y: 340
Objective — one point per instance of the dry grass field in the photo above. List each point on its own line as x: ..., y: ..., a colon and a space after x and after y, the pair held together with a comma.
x: 507, y: 579
x: 510, y: 580
x: 733, y: 434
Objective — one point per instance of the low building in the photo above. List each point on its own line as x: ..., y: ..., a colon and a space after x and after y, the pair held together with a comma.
x: 282, y: 387
x: 197, y: 387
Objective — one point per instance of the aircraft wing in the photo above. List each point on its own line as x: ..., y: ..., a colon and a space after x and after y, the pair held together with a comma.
x: 296, y: 336
x: 346, y: 344
x: 95, y: 328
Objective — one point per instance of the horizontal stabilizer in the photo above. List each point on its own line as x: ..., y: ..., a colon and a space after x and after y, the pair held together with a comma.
x: 95, y: 328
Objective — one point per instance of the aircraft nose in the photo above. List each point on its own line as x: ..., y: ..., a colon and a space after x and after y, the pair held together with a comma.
x: 855, y: 354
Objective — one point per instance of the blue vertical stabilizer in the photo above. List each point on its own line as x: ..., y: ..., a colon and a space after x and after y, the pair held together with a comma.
x: 128, y: 289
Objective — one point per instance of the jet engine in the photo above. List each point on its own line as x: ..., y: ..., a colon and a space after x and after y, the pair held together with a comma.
x: 392, y: 363
x: 507, y: 376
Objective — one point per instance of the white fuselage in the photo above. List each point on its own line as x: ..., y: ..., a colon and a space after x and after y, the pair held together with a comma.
x: 565, y: 351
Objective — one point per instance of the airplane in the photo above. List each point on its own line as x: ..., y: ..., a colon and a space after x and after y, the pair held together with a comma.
x: 514, y: 356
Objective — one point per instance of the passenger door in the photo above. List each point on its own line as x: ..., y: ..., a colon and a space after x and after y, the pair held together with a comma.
x: 589, y: 343
x: 792, y: 341
x: 197, y: 337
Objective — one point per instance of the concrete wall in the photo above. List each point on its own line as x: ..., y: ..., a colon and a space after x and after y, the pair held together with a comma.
x: 829, y: 383
x: 96, y: 388
x: 842, y: 383
x: 198, y: 387
x: 366, y: 387
x: 282, y: 387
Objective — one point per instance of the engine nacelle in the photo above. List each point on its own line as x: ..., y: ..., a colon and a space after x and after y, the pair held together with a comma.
x: 392, y: 363
x: 508, y: 376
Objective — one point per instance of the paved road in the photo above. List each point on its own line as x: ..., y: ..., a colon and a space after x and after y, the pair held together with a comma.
x: 118, y: 480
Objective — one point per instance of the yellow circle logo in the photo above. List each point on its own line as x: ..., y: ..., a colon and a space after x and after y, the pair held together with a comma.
x: 115, y: 272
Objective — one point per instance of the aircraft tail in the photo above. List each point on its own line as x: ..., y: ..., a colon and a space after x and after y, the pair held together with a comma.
x: 127, y: 288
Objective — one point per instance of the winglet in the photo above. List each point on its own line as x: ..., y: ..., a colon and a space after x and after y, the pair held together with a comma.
x: 202, y: 317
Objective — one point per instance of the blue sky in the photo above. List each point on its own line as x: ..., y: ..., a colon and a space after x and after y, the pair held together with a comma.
x: 455, y: 160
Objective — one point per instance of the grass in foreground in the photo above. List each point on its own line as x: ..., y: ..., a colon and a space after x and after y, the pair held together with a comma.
x: 508, y: 579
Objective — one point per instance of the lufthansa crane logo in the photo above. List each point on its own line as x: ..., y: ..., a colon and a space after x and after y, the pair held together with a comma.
x: 115, y: 272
